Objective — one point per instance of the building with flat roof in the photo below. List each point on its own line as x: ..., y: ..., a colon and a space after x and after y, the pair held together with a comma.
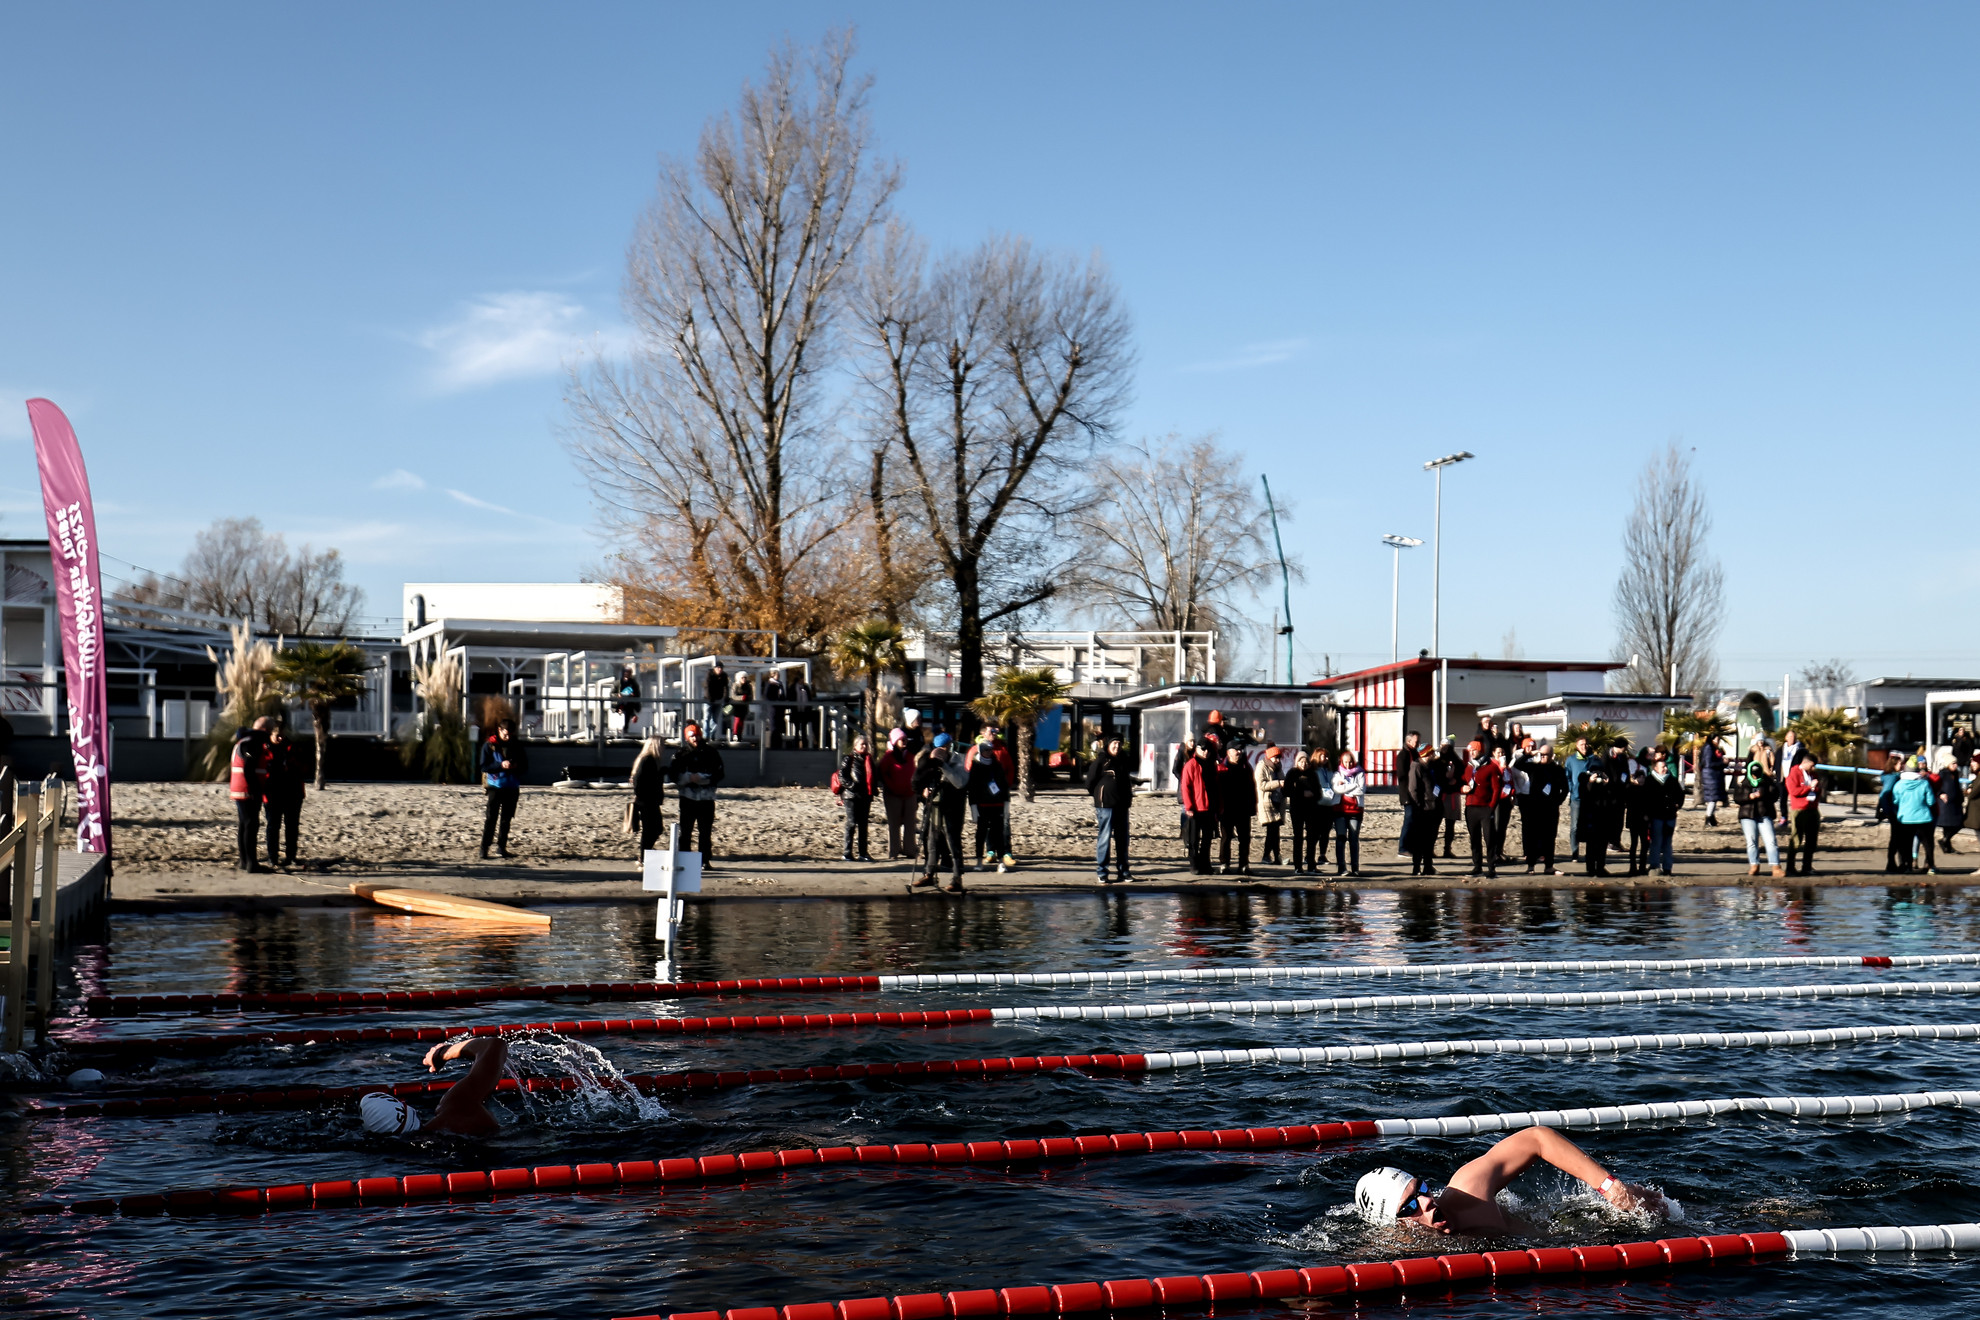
x: 1434, y: 696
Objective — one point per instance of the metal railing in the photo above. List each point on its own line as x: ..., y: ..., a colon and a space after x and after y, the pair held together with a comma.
x: 823, y: 723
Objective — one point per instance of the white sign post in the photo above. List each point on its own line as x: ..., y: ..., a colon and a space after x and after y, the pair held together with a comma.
x: 670, y: 873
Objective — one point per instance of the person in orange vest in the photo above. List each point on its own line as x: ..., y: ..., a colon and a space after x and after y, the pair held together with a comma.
x: 247, y: 783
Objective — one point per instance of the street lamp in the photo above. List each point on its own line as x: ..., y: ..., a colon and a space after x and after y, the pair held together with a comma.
x: 1437, y: 571
x: 1397, y: 544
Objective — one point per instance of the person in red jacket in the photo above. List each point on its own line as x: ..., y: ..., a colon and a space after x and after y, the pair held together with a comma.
x: 247, y: 784
x: 896, y: 771
x: 1805, y: 810
x: 1484, y: 786
x: 1201, y: 804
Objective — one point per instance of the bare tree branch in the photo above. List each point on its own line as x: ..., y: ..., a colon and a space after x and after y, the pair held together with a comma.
x: 1670, y: 598
x: 711, y: 451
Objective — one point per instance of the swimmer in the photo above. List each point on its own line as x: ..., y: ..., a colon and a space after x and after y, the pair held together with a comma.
x: 463, y: 1109
x: 1468, y: 1205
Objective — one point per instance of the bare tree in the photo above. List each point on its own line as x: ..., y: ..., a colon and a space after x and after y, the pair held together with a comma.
x: 1176, y: 538
x: 997, y: 370
x: 1825, y: 674
x: 1670, y: 598
x: 711, y: 448
x: 238, y: 569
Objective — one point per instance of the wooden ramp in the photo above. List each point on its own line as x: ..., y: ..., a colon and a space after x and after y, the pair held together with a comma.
x: 435, y: 904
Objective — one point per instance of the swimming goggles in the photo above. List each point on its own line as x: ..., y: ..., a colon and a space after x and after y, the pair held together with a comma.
x: 1425, y: 1200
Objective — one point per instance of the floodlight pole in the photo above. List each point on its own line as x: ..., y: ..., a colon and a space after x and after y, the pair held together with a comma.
x: 1397, y: 544
x: 1285, y: 578
x: 1437, y: 563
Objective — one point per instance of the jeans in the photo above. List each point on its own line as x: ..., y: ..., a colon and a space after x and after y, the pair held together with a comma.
x: 1347, y: 841
x: 1269, y: 850
x: 247, y: 832
x: 495, y: 818
x: 282, y: 815
x: 1905, y: 841
x: 651, y: 822
x: 1807, y: 830
x: 900, y: 825
x: 1660, y: 858
x: 1110, y: 826
x: 1408, y: 823
x: 698, y: 815
x: 1479, y: 823
x: 1238, y: 828
x: 992, y: 830
x: 859, y: 810
x: 1762, y: 829
x: 1574, y: 829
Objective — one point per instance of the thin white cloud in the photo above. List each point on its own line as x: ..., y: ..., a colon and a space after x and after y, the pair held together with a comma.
x: 1246, y: 356
x: 399, y: 479
x: 474, y: 503
x: 506, y: 336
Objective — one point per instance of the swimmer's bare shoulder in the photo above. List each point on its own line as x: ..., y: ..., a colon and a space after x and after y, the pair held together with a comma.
x: 464, y: 1107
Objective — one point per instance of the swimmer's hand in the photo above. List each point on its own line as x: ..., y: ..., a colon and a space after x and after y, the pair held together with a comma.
x: 447, y: 1052
x: 1628, y: 1196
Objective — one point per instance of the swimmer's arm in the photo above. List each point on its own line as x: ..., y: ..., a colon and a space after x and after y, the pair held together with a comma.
x: 462, y: 1107
x: 1487, y: 1175
x: 472, y: 1048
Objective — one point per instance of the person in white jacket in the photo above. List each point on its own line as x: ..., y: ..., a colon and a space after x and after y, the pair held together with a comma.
x: 1351, y: 787
x: 1270, y: 776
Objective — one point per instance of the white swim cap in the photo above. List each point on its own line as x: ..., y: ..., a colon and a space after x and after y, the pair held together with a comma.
x: 1380, y: 1193
x: 387, y: 1114
x: 85, y: 1077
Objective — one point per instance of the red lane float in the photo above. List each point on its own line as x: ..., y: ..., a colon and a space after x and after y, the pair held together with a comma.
x: 1157, y: 1011
x: 227, y: 1040
x: 246, y: 1102
x: 337, y: 1001
x: 1202, y: 1290
x: 566, y: 1178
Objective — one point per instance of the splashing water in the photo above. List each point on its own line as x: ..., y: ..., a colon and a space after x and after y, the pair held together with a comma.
x: 601, y: 1090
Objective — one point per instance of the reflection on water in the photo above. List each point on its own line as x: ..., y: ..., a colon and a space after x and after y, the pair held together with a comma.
x: 877, y: 1230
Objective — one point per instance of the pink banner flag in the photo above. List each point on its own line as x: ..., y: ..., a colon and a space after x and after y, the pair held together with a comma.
x: 79, y: 596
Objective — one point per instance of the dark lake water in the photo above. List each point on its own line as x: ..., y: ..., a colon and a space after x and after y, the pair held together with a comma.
x: 829, y: 1235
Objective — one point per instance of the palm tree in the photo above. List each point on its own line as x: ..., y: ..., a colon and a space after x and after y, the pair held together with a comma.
x: 1019, y: 696
x: 321, y: 674
x: 1601, y: 735
x: 872, y: 646
x: 1827, y: 733
x: 1685, y: 731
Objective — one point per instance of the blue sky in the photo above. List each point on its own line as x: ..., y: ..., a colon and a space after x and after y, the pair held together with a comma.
x: 324, y: 265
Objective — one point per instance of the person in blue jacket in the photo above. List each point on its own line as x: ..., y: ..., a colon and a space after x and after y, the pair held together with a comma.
x: 1711, y: 766
x: 503, y: 763
x: 1912, y: 804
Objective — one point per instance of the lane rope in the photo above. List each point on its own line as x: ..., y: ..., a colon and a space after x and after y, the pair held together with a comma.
x: 1235, y: 1287
x: 949, y: 1017
x: 241, y: 1102
x: 566, y: 1178
x: 335, y: 1001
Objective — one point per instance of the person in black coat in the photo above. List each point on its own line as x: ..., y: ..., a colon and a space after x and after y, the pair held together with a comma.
x: 1426, y: 794
x: 649, y: 790
x: 1601, y: 809
x: 282, y: 794
x: 942, y: 784
x: 1304, y: 793
x: 857, y: 787
x: 1111, y: 786
x: 697, y: 771
x: 1543, y: 786
x: 1236, y: 794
